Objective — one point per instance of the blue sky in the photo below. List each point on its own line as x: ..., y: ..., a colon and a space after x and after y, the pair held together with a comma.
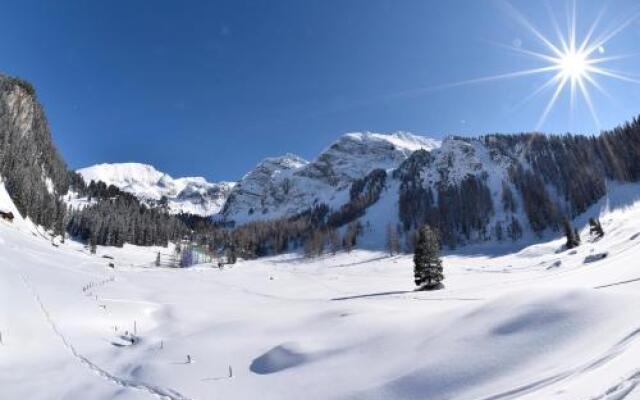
x: 210, y: 88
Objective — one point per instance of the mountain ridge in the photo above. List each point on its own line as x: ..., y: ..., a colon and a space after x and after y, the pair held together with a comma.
x: 352, y: 156
x: 193, y: 195
x: 275, y: 190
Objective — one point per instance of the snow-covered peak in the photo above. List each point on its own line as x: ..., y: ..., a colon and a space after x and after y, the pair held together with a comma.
x: 288, y: 161
x: 354, y: 155
x: 268, y: 169
x: 136, y: 178
x: 288, y: 185
x: 401, y: 140
x: 189, y: 194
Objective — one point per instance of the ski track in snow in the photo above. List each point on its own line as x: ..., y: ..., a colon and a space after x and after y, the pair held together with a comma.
x: 609, y: 355
x: 157, y: 391
x: 621, y: 390
x: 625, y: 282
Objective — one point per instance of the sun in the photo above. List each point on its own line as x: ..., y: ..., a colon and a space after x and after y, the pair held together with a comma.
x: 574, y: 65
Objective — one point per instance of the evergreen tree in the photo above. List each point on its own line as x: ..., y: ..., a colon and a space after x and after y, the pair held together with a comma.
x: 393, y: 240
x: 508, y: 200
x: 498, y: 231
x: 33, y: 172
x: 595, y: 228
x: 117, y: 218
x: 514, y: 230
x: 314, y: 246
x: 350, y: 239
x: 427, y: 269
x: 92, y: 244
x: 231, y: 254
x: 410, y: 241
x: 363, y: 193
x: 573, y: 238
x: 334, y: 241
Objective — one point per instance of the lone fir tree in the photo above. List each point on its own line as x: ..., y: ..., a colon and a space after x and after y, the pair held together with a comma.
x: 427, y: 269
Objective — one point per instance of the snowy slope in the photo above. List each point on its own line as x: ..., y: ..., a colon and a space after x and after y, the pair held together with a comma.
x: 451, y: 162
x: 529, y: 323
x: 288, y: 185
x: 6, y: 204
x: 191, y: 195
x: 19, y: 224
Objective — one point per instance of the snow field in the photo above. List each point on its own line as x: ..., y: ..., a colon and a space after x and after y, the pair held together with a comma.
x: 532, y: 323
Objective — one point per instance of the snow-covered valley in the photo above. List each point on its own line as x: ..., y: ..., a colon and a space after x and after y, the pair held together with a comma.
x: 531, y: 322
x: 298, y: 236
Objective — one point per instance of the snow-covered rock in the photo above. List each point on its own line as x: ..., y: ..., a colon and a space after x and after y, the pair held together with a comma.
x: 193, y: 195
x: 288, y: 185
x: 354, y: 155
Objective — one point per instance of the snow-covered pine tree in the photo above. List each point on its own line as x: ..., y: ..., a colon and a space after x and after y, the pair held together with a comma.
x: 427, y: 268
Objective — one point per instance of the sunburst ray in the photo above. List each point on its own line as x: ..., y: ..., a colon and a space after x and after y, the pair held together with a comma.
x: 572, y: 60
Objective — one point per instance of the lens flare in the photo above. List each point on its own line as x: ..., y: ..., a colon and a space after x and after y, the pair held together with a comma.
x: 573, y: 64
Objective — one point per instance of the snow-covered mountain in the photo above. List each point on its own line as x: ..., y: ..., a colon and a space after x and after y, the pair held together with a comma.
x: 461, y: 169
x: 354, y: 155
x: 288, y: 185
x: 276, y: 187
x: 193, y: 195
x: 495, y: 187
